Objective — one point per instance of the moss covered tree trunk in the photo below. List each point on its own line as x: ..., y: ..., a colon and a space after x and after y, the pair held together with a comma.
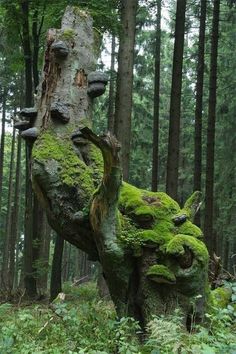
x: 151, y: 254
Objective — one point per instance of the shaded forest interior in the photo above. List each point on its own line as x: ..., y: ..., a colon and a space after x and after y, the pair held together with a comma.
x: 170, y: 101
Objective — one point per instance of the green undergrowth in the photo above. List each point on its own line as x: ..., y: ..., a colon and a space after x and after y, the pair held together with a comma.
x: 83, y: 323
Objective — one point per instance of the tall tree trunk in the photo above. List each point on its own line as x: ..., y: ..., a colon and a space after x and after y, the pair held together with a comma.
x: 55, y: 285
x: 123, y: 105
x: 175, y: 103
x: 198, y: 108
x: 112, y: 86
x: 35, y: 49
x: 4, y: 97
x: 27, y: 53
x: 155, y: 152
x: 15, y: 217
x: 29, y: 276
x: 209, y: 194
x: 36, y: 33
x: 44, y: 251
x: 7, y: 245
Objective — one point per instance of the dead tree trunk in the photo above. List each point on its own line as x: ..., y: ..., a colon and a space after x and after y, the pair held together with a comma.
x: 151, y: 254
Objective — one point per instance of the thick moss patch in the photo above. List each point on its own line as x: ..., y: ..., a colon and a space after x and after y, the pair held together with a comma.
x: 161, y: 274
x: 139, y: 201
x: 150, y: 222
x: 72, y: 171
x: 177, y: 247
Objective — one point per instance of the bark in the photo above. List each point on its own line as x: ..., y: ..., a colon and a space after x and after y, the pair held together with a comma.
x: 209, y: 192
x: 4, y: 97
x: 36, y: 33
x: 78, y: 179
x: 199, y: 104
x: 55, y: 285
x: 175, y: 103
x: 27, y: 53
x: 155, y: 160
x: 29, y: 271
x: 44, y: 251
x: 7, y: 244
x: 65, y: 263
x: 123, y: 105
x: 111, y: 102
x: 15, y: 228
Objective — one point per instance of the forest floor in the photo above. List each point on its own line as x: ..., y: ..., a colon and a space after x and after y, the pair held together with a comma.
x: 84, y: 323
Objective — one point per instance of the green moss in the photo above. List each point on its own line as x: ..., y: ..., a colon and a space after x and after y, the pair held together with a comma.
x: 220, y: 297
x: 97, y: 162
x: 160, y: 274
x: 191, y: 204
x: 177, y: 244
x: 140, y: 201
x: 162, y: 232
x: 128, y: 235
x: 71, y: 170
x: 67, y: 34
x: 188, y: 228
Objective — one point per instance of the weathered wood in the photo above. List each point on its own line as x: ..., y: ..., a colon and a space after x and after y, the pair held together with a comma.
x: 151, y: 265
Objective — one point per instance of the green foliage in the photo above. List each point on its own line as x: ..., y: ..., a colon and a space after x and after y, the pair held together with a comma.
x: 86, y: 325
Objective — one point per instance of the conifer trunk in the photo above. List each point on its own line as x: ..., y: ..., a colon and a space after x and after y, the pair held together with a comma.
x: 209, y: 192
x: 111, y: 102
x: 7, y: 244
x: 155, y: 153
x: 55, y: 285
x: 123, y: 106
x: 175, y: 103
x: 2, y: 147
x: 199, y: 104
x: 15, y: 217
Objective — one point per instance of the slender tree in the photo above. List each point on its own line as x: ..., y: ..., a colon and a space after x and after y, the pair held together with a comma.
x: 209, y: 193
x: 15, y: 217
x: 155, y: 152
x: 4, y: 97
x: 55, y: 285
x: 199, y: 104
x: 175, y: 103
x: 7, y: 245
x: 123, y: 105
x: 27, y: 53
x: 112, y: 86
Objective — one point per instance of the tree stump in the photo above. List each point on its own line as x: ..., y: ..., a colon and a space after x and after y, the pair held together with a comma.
x: 152, y: 255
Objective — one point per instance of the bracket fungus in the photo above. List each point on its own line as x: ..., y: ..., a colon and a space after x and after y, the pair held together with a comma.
x: 60, y: 49
x: 97, y: 82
